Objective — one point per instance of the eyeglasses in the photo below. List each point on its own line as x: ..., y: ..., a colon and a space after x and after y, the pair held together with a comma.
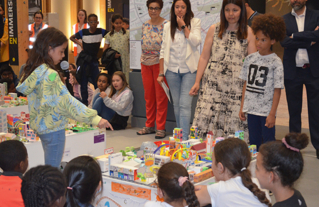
x: 93, y: 22
x: 154, y: 9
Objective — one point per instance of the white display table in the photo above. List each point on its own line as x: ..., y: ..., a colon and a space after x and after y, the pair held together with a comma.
x: 90, y: 143
x: 119, y: 193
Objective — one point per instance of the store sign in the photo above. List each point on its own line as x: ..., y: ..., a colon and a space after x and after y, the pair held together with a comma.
x: 109, y: 6
x: 13, y: 32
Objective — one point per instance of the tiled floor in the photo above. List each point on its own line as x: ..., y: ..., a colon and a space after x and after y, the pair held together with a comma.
x: 308, y: 184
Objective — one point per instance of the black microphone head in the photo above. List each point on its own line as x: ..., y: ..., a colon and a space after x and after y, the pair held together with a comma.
x: 64, y: 65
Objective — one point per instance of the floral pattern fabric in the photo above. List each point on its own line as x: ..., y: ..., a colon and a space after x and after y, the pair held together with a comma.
x: 151, y: 42
x: 51, y: 104
x: 120, y: 42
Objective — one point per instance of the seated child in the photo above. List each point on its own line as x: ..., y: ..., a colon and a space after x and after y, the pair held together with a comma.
x: 231, y: 159
x: 13, y: 162
x: 6, y: 72
x: 118, y: 104
x: 43, y: 185
x: 84, y: 179
x: 77, y: 86
x: 279, y: 165
x: 174, y: 186
x: 103, y: 84
x: 10, y: 85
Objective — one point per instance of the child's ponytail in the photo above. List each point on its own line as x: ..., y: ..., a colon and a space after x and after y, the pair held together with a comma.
x: 235, y: 156
x: 284, y: 157
x: 189, y: 195
x: 248, y: 183
x: 173, y: 180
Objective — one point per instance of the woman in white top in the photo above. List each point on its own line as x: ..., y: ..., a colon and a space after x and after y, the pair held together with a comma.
x: 174, y: 187
x: 178, y: 59
x: 81, y: 24
x: 231, y: 159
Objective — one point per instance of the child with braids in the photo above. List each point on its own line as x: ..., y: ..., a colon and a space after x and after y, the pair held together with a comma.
x: 279, y: 165
x: 43, y: 186
x: 84, y: 179
x: 231, y: 159
x: 174, y: 186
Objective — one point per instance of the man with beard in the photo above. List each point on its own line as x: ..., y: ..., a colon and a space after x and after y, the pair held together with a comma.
x: 301, y: 66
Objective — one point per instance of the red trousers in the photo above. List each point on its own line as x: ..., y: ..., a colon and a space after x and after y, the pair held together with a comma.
x: 155, y: 97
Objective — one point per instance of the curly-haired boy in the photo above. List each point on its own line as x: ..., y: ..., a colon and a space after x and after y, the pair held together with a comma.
x: 264, y: 79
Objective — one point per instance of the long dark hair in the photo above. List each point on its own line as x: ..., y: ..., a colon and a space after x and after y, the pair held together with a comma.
x: 114, y: 18
x: 286, y: 163
x: 39, y: 54
x: 187, y: 19
x: 242, y: 31
x: 86, y: 16
x: 167, y: 178
x: 42, y: 186
x: 125, y: 83
x: 235, y: 156
x: 83, y: 175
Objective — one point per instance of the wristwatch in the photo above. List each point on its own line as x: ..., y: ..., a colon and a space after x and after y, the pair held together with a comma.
x: 161, y: 75
x: 183, y: 27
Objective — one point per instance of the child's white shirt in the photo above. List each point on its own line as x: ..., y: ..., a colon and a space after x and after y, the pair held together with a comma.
x: 157, y: 204
x: 232, y: 193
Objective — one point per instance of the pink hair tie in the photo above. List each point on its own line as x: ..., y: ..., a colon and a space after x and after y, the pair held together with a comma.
x: 69, y: 188
x: 288, y: 146
x: 182, y: 180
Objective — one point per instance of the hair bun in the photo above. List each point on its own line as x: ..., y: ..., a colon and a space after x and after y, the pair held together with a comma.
x: 297, y: 140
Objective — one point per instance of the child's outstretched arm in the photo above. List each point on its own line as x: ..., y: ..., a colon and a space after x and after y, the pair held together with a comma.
x: 271, y: 118
x: 242, y: 115
x: 202, y: 195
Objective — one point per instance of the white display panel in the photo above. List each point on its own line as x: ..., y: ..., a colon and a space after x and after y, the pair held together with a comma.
x: 206, y: 10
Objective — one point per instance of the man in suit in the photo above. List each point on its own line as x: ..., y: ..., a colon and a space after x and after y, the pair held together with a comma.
x: 301, y: 66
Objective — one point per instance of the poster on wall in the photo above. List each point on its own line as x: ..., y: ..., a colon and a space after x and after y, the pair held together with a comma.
x: 13, y: 32
x: 207, y: 11
x: 34, y: 6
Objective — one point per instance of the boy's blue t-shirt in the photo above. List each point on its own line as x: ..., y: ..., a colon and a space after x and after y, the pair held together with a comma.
x: 91, y: 41
x: 262, y: 73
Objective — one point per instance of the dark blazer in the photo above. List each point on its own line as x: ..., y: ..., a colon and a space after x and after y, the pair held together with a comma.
x: 301, y: 40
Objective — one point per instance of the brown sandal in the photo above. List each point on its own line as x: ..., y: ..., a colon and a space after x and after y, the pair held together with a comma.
x: 160, y: 134
x: 146, y: 130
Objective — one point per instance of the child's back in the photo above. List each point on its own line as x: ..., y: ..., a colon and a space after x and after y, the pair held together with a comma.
x: 13, y: 162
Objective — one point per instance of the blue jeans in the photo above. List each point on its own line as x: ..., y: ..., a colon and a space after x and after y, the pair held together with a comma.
x: 180, y: 84
x: 102, y: 110
x: 94, y: 72
x: 53, y: 147
x: 258, y: 132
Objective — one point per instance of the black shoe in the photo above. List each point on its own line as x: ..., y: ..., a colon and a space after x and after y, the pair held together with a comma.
x: 317, y: 153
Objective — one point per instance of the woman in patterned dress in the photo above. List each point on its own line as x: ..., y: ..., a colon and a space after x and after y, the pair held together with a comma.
x: 155, y: 97
x: 118, y: 39
x: 226, y: 46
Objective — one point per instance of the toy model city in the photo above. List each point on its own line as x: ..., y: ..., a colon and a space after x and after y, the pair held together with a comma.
x: 141, y: 166
x: 138, y: 166
x: 16, y: 126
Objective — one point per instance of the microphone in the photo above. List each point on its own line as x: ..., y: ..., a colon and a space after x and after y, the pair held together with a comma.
x: 64, y: 65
